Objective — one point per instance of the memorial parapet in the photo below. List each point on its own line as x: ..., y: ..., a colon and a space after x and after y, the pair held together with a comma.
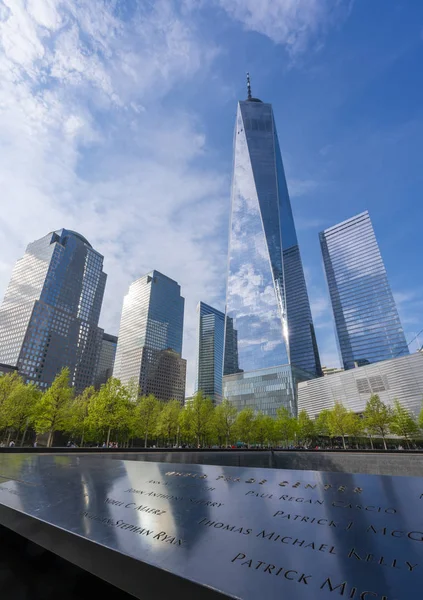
x: 155, y: 528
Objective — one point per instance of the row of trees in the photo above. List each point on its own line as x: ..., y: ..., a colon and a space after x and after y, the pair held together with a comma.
x: 116, y: 412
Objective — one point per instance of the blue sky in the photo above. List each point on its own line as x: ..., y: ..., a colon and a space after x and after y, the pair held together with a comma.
x: 116, y: 119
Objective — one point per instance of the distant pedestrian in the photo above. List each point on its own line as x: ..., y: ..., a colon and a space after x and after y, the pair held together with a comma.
x: 35, y: 444
x: 12, y: 444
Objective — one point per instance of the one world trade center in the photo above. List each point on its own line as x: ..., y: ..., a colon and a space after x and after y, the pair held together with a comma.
x: 267, y: 307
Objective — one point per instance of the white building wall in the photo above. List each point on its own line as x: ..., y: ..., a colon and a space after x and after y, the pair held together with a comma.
x: 398, y: 378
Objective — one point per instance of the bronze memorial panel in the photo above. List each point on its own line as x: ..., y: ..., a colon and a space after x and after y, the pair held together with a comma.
x: 245, y: 532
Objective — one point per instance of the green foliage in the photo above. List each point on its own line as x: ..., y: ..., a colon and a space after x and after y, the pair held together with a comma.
x: 244, y: 426
x: 305, y: 428
x: 200, y: 411
x: 168, y: 421
x: 8, y: 385
x: 225, y: 415
x: 338, y: 420
x: 403, y: 423
x: 286, y: 426
x: 146, y: 415
x: 264, y: 430
x: 377, y: 417
x: 110, y: 409
x: 116, y: 410
x: 52, y: 411
x: 355, y: 426
x: 321, y: 423
x: 78, y: 423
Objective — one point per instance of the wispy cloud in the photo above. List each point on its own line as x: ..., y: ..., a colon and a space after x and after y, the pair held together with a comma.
x: 293, y: 23
x: 87, y: 143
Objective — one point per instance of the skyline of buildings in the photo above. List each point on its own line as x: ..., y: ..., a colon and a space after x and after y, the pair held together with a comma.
x: 50, y: 312
x: 149, y: 344
x: 367, y: 324
x: 211, y: 336
x: 258, y: 350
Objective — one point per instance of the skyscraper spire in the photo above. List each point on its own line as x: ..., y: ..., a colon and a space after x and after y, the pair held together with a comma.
x: 248, y: 86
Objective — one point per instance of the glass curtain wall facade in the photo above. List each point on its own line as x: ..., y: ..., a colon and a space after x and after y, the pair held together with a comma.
x: 368, y: 327
x: 150, y: 337
x: 267, y: 297
x: 106, y: 359
x: 50, y: 312
x: 266, y: 291
x: 211, y: 329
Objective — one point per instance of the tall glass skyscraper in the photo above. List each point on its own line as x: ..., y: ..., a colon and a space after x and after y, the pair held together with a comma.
x: 211, y: 328
x: 266, y: 290
x: 368, y: 326
x: 106, y: 359
x: 49, y: 315
x: 150, y: 337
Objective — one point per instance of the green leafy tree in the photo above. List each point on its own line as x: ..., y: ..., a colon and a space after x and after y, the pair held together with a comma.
x: 146, y: 416
x: 305, y: 428
x: 8, y: 384
x: 224, y: 420
x: 321, y: 423
x: 377, y: 418
x: 201, y: 416
x: 168, y: 420
x: 263, y: 429
x: 78, y: 424
x: 286, y: 425
x: 244, y: 425
x: 110, y: 409
x: 421, y: 419
x: 184, y: 422
x: 403, y: 423
x: 338, y: 420
x: 53, y: 408
x: 355, y: 426
x: 19, y: 407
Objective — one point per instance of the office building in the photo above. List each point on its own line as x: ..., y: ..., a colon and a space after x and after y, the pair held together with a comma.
x: 106, y: 359
x: 211, y: 334
x: 368, y: 326
x: 266, y: 290
x: 150, y: 338
x: 49, y: 315
x: 230, y: 360
x: 396, y: 379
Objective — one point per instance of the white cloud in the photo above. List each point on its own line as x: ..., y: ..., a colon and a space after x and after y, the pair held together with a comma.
x: 292, y: 23
x: 86, y: 144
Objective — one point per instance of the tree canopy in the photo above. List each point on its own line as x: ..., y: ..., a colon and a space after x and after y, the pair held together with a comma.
x: 117, y: 413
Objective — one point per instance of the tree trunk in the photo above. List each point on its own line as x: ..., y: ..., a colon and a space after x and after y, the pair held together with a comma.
x: 384, y: 442
x: 82, y: 441
x: 371, y: 442
x: 24, y: 434
x: 108, y: 437
x: 50, y: 439
x: 8, y: 437
x: 343, y: 442
x: 145, y: 438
